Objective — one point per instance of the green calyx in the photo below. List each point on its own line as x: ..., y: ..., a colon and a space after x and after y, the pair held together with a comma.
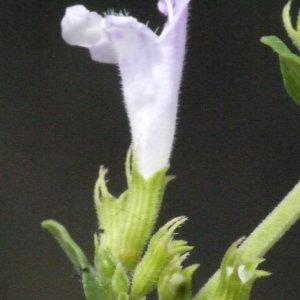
x: 161, y: 252
x: 126, y: 223
x: 237, y: 275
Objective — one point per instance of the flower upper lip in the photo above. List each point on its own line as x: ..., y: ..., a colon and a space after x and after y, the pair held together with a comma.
x: 83, y: 28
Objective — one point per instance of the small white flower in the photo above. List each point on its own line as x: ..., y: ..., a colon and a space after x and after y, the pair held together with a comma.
x: 150, y: 67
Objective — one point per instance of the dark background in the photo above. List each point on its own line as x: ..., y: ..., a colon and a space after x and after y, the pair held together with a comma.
x: 236, y: 155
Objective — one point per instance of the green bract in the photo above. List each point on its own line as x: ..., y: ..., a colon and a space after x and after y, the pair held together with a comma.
x: 77, y: 257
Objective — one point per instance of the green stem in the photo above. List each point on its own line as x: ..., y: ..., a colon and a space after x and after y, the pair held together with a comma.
x: 275, y: 225
x: 264, y: 236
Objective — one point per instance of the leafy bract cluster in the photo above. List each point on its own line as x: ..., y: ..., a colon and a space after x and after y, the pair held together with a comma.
x: 121, y: 270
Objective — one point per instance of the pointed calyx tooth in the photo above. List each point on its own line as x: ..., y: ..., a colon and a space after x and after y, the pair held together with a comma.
x: 161, y: 251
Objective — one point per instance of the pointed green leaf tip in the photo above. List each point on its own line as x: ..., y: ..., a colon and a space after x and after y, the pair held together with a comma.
x: 289, y: 62
x: 77, y: 257
x: 237, y: 275
x: 72, y: 250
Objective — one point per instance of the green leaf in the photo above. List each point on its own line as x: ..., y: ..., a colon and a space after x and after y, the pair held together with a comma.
x: 289, y: 64
x: 77, y: 257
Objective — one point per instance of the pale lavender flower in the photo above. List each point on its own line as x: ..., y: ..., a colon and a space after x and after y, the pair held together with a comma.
x: 150, y: 67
